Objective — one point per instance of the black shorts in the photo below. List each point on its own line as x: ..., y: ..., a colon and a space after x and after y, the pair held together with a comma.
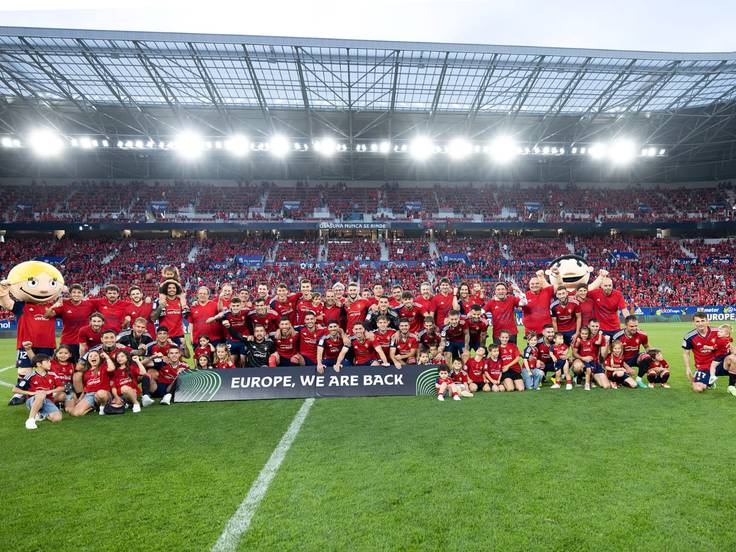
x: 480, y: 384
x: 720, y: 369
x: 617, y: 379
x: 510, y: 374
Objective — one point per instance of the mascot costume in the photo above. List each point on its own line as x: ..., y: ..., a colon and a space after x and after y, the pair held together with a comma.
x: 29, y: 290
x: 569, y: 271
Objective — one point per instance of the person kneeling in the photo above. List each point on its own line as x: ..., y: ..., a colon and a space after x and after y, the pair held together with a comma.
x: 659, y: 369
x: 164, y: 383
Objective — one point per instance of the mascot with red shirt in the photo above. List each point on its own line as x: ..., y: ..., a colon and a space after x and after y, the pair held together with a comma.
x: 29, y: 290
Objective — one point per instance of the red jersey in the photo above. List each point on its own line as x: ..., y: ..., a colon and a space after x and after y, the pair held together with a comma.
x: 404, y: 343
x: 607, y: 307
x: 287, y: 308
x: 128, y: 377
x: 442, y: 306
x: 63, y: 372
x: 172, y: 317
x: 531, y: 355
x: 33, y: 327
x: 223, y: 365
x: 308, y: 340
x: 476, y: 369
x: 114, y: 313
x: 502, y: 315
x: 566, y: 315
x: 454, y: 333
x: 206, y: 350
x: 598, y: 341
x: 426, y: 306
x: 96, y: 380
x: 414, y: 314
x: 586, y: 347
x: 198, y: 315
x: 494, y: 368
x: 269, y: 320
x: 723, y: 344
x: 238, y: 322
x: 614, y: 362
x: 703, y: 347
x: 507, y: 353
x: 304, y: 307
x: 286, y: 346
x: 394, y: 303
x: 535, y: 314
x: 560, y: 351
x: 167, y: 373
x: 364, y: 350
x: 478, y: 329
x: 544, y: 347
x: 446, y: 381
x: 89, y: 337
x: 586, y: 309
x: 460, y: 376
x: 40, y: 382
x: 332, y: 313
x: 154, y: 347
x: 141, y: 311
x: 659, y: 365
x: 384, y: 340
x: 429, y: 340
x: 73, y: 317
x: 356, y: 312
x: 331, y: 346
x: 631, y: 343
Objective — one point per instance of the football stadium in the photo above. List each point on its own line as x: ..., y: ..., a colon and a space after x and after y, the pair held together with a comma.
x: 249, y: 272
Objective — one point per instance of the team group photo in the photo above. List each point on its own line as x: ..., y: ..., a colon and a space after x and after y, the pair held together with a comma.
x: 426, y: 276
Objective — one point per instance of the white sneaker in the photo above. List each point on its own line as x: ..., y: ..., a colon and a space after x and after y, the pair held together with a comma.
x: 732, y: 390
x: 568, y: 386
x: 587, y: 387
x: 136, y: 407
x: 440, y: 397
x: 555, y: 386
x: 466, y: 393
x: 146, y: 401
x: 166, y: 399
x: 31, y: 424
x: 456, y: 398
x: 712, y: 380
x: 102, y: 411
x: 40, y: 417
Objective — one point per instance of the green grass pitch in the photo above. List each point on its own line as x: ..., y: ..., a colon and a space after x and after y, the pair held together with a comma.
x: 549, y: 470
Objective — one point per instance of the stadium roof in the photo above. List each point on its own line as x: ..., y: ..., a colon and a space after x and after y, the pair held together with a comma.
x: 139, y: 83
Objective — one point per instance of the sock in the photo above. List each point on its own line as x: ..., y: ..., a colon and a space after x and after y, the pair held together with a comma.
x: 146, y: 385
x: 652, y: 378
x: 732, y: 379
x: 664, y: 377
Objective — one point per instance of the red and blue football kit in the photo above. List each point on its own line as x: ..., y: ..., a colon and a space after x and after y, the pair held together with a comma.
x: 476, y: 369
x: 73, y: 317
x: 331, y: 346
x: 442, y: 306
x: 703, y: 347
x: 364, y: 350
x: 114, y: 313
x: 502, y: 315
x: 308, y: 340
x: 565, y: 314
x: 632, y: 343
x: 507, y: 353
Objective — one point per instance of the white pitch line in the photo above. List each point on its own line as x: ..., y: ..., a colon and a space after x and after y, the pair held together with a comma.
x: 6, y: 384
x: 6, y: 368
x: 242, y: 517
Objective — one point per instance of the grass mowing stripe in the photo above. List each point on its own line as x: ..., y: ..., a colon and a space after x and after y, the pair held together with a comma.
x: 242, y: 517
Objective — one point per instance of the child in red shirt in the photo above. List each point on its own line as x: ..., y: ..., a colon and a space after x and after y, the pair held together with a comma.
x: 659, y: 369
x: 444, y: 384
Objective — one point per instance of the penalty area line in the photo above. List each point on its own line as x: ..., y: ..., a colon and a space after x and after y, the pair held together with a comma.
x: 240, y: 521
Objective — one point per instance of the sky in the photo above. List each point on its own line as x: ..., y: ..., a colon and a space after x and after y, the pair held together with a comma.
x: 702, y: 26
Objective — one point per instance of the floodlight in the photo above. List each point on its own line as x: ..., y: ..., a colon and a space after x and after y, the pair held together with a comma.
x: 279, y: 146
x: 503, y: 149
x: 189, y: 144
x: 459, y: 148
x: 238, y: 145
x: 622, y: 151
x: 7, y: 142
x: 384, y: 147
x: 45, y: 142
x: 598, y: 150
x: 326, y: 146
x: 421, y: 148
x: 85, y: 142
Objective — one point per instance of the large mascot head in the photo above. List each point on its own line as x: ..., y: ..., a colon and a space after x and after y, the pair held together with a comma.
x: 35, y: 282
x: 569, y: 271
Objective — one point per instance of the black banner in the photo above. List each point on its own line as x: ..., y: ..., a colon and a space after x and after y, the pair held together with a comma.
x: 301, y: 382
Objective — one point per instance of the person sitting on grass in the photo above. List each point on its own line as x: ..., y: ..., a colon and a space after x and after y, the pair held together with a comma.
x: 617, y: 371
x: 723, y: 346
x: 39, y: 387
x: 585, y: 351
x: 96, y: 383
x: 729, y: 365
x: 533, y: 371
x: 659, y: 369
x: 494, y: 369
x: 62, y: 366
x: 444, y: 385
x: 560, y: 353
x: 460, y: 378
x: 476, y: 370
x: 124, y: 380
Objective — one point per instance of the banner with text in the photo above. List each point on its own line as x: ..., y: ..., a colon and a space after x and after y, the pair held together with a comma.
x: 300, y: 382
